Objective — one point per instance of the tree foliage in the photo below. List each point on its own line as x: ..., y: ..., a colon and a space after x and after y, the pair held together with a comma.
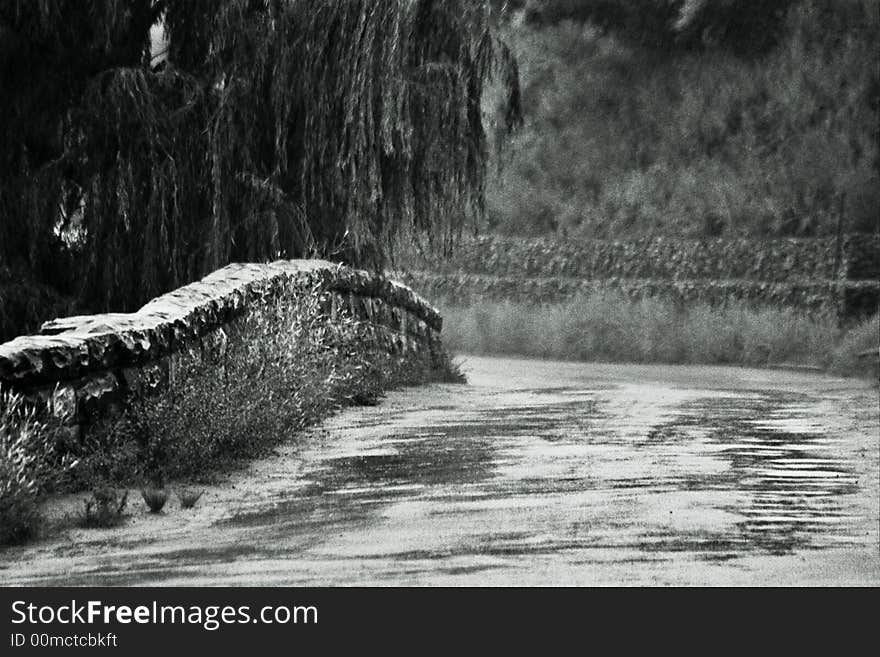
x: 275, y: 128
x: 625, y: 140
x: 746, y: 26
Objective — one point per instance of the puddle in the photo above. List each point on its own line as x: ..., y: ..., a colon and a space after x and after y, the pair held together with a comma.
x: 793, y: 490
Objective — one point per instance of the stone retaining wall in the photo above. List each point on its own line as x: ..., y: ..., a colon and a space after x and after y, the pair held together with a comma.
x: 90, y: 365
x: 771, y: 260
x: 831, y: 297
x: 815, y: 275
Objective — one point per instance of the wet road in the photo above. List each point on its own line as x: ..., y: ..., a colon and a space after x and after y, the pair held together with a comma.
x: 534, y: 473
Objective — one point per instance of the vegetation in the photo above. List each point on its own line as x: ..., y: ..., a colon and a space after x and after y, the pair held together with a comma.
x: 155, y: 498
x: 30, y: 464
x: 288, y: 365
x: 188, y: 497
x: 745, y: 26
x: 106, y: 508
x: 296, y: 367
x: 695, y: 118
x: 610, y: 327
x: 272, y: 128
x: 334, y: 128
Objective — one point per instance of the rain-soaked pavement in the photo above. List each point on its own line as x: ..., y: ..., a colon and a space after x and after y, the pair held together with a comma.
x: 535, y: 473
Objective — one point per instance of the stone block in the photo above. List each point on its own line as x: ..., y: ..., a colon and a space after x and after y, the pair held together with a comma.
x: 99, y: 395
x: 63, y: 403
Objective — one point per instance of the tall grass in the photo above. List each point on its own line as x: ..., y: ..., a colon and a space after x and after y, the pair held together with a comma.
x: 628, y: 140
x: 610, y: 327
x: 288, y: 365
x: 30, y: 463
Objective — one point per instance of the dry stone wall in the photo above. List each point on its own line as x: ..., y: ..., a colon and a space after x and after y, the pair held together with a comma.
x: 657, y: 258
x: 470, y: 289
x: 816, y: 275
x: 88, y: 366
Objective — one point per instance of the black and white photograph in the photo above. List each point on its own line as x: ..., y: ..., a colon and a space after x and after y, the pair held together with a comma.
x: 435, y: 294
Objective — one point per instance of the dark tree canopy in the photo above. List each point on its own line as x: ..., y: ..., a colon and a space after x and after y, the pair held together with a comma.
x: 275, y: 128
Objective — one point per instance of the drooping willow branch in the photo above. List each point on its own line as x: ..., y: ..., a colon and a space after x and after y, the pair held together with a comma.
x: 275, y: 128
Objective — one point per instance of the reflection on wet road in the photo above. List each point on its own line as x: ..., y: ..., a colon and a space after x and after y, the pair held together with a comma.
x: 535, y: 473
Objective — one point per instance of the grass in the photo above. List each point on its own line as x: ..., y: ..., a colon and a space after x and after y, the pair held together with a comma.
x: 188, y: 497
x: 856, y: 349
x: 610, y: 327
x: 155, y: 498
x: 106, y: 508
x: 288, y: 366
x: 31, y: 463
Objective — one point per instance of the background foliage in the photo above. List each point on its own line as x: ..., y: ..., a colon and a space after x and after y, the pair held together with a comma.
x: 274, y: 128
x: 698, y: 118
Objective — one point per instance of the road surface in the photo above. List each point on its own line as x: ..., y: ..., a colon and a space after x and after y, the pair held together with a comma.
x: 534, y: 473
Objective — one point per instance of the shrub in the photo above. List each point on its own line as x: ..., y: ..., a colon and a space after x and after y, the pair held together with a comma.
x: 105, y: 508
x: 288, y: 364
x: 620, y: 140
x: 746, y: 26
x: 270, y: 384
x: 859, y: 350
x: 30, y: 463
x: 608, y: 326
x: 110, y: 451
x: 188, y: 497
x: 155, y: 498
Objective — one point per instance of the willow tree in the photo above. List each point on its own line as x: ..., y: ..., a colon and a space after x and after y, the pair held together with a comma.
x: 275, y: 128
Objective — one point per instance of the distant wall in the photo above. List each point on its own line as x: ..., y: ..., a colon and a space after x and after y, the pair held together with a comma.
x: 812, y: 274
x: 90, y: 365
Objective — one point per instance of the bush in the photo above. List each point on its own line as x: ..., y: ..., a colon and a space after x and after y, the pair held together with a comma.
x: 155, y: 498
x: 30, y: 463
x: 859, y: 349
x: 620, y: 140
x: 111, y: 451
x: 188, y: 497
x: 746, y: 26
x: 274, y: 382
x: 105, y: 508
x: 295, y: 366
x: 608, y: 326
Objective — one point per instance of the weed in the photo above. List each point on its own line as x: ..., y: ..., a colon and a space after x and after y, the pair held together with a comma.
x: 105, y: 508
x: 155, y: 498
x: 611, y: 327
x: 287, y: 366
x: 30, y: 464
x: 188, y: 497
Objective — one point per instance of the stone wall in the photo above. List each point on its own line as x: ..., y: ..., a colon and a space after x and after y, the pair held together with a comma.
x: 810, y: 274
x: 469, y: 289
x: 89, y: 366
x: 771, y: 260
x: 862, y: 257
